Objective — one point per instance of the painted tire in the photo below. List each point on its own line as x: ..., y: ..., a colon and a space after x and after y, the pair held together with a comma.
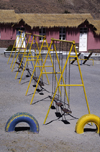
x: 22, y: 117
x: 86, y: 119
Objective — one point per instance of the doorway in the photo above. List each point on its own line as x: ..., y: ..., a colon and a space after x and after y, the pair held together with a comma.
x: 83, y: 40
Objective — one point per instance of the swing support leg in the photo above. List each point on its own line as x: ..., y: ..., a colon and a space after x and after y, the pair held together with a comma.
x: 82, y: 81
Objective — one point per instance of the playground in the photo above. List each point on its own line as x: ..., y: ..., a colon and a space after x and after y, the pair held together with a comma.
x: 57, y: 134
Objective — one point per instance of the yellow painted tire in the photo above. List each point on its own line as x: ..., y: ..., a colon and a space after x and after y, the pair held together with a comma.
x: 86, y: 119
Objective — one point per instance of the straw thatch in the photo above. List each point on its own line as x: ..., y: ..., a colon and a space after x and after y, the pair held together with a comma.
x: 96, y: 24
x: 58, y: 20
x: 7, y: 16
x: 53, y: 20
x: 49, y: 20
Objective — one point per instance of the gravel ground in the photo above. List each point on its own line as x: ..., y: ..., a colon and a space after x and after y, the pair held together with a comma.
x: 55, y: 135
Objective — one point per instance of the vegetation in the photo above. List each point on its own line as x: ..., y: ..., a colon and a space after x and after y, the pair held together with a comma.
x: 66, y: 12
x: 10, y: 48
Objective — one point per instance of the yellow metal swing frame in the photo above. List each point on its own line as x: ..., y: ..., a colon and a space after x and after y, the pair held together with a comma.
x: 44, y: 72
x: 61, y: 76
x: 34, y: 58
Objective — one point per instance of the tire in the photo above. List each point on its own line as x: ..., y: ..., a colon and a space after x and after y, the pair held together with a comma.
x: 86, y: 119
x: 22, y: 117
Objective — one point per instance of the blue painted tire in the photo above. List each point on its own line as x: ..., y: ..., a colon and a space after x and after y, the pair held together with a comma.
x: 22, y: 117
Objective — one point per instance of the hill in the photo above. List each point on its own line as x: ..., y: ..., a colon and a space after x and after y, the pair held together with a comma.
x: 53, y: 6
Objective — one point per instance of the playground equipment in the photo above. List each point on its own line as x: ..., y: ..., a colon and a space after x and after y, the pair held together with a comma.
x: 85, y: 119
x: 60, y: 78
x: 15, y: 46
x: 43, y: 66
x: 22, y: 117
x: 27, y: 52
x: 18, y: 45
x: 33, y: 59
x: 22, y: 49
x: 75, y: 58
x: 88, y: 58
x: 71, y: 46
x: 84, y: 59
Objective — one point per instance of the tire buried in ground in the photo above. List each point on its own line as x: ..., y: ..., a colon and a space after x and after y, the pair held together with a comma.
x: 22, y: 117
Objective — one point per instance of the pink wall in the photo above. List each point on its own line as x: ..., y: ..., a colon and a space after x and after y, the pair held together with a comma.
x: 7, y: 33
x: 72, y: 34
x: 93, y: 42
x: 52, y: 33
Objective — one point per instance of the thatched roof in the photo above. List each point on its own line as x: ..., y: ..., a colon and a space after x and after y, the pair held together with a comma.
x: 7, y: 16
x: 53, y: 20
x: 96, y: 24
x: 48, y: 20
x: 56, y: 20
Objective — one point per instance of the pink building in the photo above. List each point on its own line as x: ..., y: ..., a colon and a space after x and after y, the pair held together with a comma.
x: 79, y: 27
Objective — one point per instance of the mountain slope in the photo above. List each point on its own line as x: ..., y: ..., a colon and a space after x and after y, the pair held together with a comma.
x: 53, y: 6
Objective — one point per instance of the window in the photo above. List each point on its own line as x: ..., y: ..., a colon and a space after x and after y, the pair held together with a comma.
x: 62, y: 34
x: 42, y: 31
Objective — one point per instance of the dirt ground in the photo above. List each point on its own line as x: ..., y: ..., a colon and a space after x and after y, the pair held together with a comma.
x: 56, y: 135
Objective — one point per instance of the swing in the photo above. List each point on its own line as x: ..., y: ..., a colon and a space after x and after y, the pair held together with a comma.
x: 29, y: 73
x: 35, y: 78
x: 24, y: 54
x: 59, y: 101
x: 20, y: 46
x: 64, y: 109
x: 31, y: 58
x: 38, y: 47
x: 40, y: 82
x: 21, y: 67
x: 62, y: 103
x: 59, y: 104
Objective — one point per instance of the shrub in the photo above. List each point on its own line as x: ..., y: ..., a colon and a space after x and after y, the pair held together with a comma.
x: 10, y: 48
x: 66, y: 12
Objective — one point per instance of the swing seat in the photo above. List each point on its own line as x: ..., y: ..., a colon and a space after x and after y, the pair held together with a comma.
x: 55, y: 99
x: 40, y: 82
x: 19, y: 64
x: 27, y: 69
x: 59, y: 104
x: 65, y: 110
